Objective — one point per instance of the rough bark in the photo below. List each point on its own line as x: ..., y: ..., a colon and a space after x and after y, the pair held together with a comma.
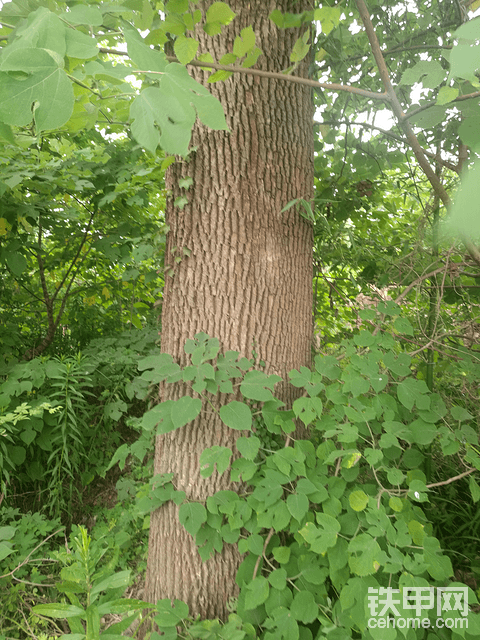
x: 247, y: 280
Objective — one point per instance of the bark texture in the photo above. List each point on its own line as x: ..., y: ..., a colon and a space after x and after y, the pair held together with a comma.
x: 247, y: 281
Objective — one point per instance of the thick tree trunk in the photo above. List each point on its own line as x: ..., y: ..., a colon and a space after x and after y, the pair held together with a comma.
x: 247, y: 280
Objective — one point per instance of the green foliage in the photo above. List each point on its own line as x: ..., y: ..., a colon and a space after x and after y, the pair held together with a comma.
x: 53, y: 437
x: 92, y: 591
x: 325, y: 519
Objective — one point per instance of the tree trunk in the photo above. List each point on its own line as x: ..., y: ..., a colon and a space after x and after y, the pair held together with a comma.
x: 247, y: 280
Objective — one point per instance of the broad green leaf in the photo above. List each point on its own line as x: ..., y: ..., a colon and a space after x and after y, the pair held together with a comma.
x: 298, y: 505
x: 256, y: 592
x: 411, y: 392
x: 237, y: 415
x: 152, y: 107
x: 79, y: 45
x: 474, y: 489
x: 42, y: 84
x: 423, y: 433
x: 278, y: 579
x: 429, y: 118
x: 446, y: 95
x: 304, y: 607
x: 215, y: 455
x: 396, y: 504
x: 6, y: 533
x: 16, y: 262
x: 114, y: 581
x: 43, y: 30
x: 358, y: 500
x: 6, y: 548
x: 244, y: 42
x: 192, y: 515
x: 439, y: 566
x: 220, y: 12
x: 185, y: 49
x: 417, y: 531
x: 402, y: 325
x: 365, y: 555
x: 429, y: 72
x: 281, y: 554
x: 322, y: 537
x: 185, y: 410
x: 145, y: 58
x: 83, y: 14
x: 329, y: 17
x: 469, y: 131
x: 464, y: 219
x: 465, y: 56
x: 160, y: 415
x: 7, y: 134
x: 177, y: 6
x: 300, y: 48
x: 248, y: 447
x: 257, y: 385
x: 307, y: 409
x: 169, y: 613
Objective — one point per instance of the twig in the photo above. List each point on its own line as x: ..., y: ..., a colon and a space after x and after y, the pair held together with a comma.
x: 450, y: 480
x: 32, y: 551
x: 267, y: 540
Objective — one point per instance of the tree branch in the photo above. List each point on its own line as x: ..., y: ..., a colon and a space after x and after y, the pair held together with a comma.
x: 318, y: 86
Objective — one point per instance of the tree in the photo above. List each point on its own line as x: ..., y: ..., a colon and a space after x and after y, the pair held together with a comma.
x: 243, y: 274
x: 238, y: 258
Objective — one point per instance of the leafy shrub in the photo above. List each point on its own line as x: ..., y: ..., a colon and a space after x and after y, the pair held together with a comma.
x: 61, y: 415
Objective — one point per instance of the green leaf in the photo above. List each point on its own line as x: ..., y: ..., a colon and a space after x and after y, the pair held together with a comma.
x: 465, y: 56
x: 429, y: 72
x: 169, y: 614
x: 237, y: 415
x: 220, y: 12
x: 402, y: 325
x: 281, y: 554
x: 83, y: 14
x: 278, y: 579
x: 365, y: 555
x: 16, y: 262
x: 257, y: 385
x: 329, y: 18
x: 145, y: 58
x: 248, y: 447
x: 45, y: 86
x: 300, y: 48
x: 411, y: 391
x: 323, y: 537
x: 215, y: 455
x: 396, y: 504
x: 474, y: 489
x: 307, y: 409
x: 7, y: 134
x: 244, y: 42
x: 256, y: 592
x: 79, y: 45
x: 358, y: 500
x: 304, y: 608
x: 114, y: 581
x: 192, y: 515
x: 446, y: 95
x: 185, y: 410
x: 59, y: 610
x: 464, y: 220
x: 298, y: 505
x: 185, y: 49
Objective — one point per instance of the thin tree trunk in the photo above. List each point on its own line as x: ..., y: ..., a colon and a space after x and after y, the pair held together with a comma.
x: 247, y: 280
